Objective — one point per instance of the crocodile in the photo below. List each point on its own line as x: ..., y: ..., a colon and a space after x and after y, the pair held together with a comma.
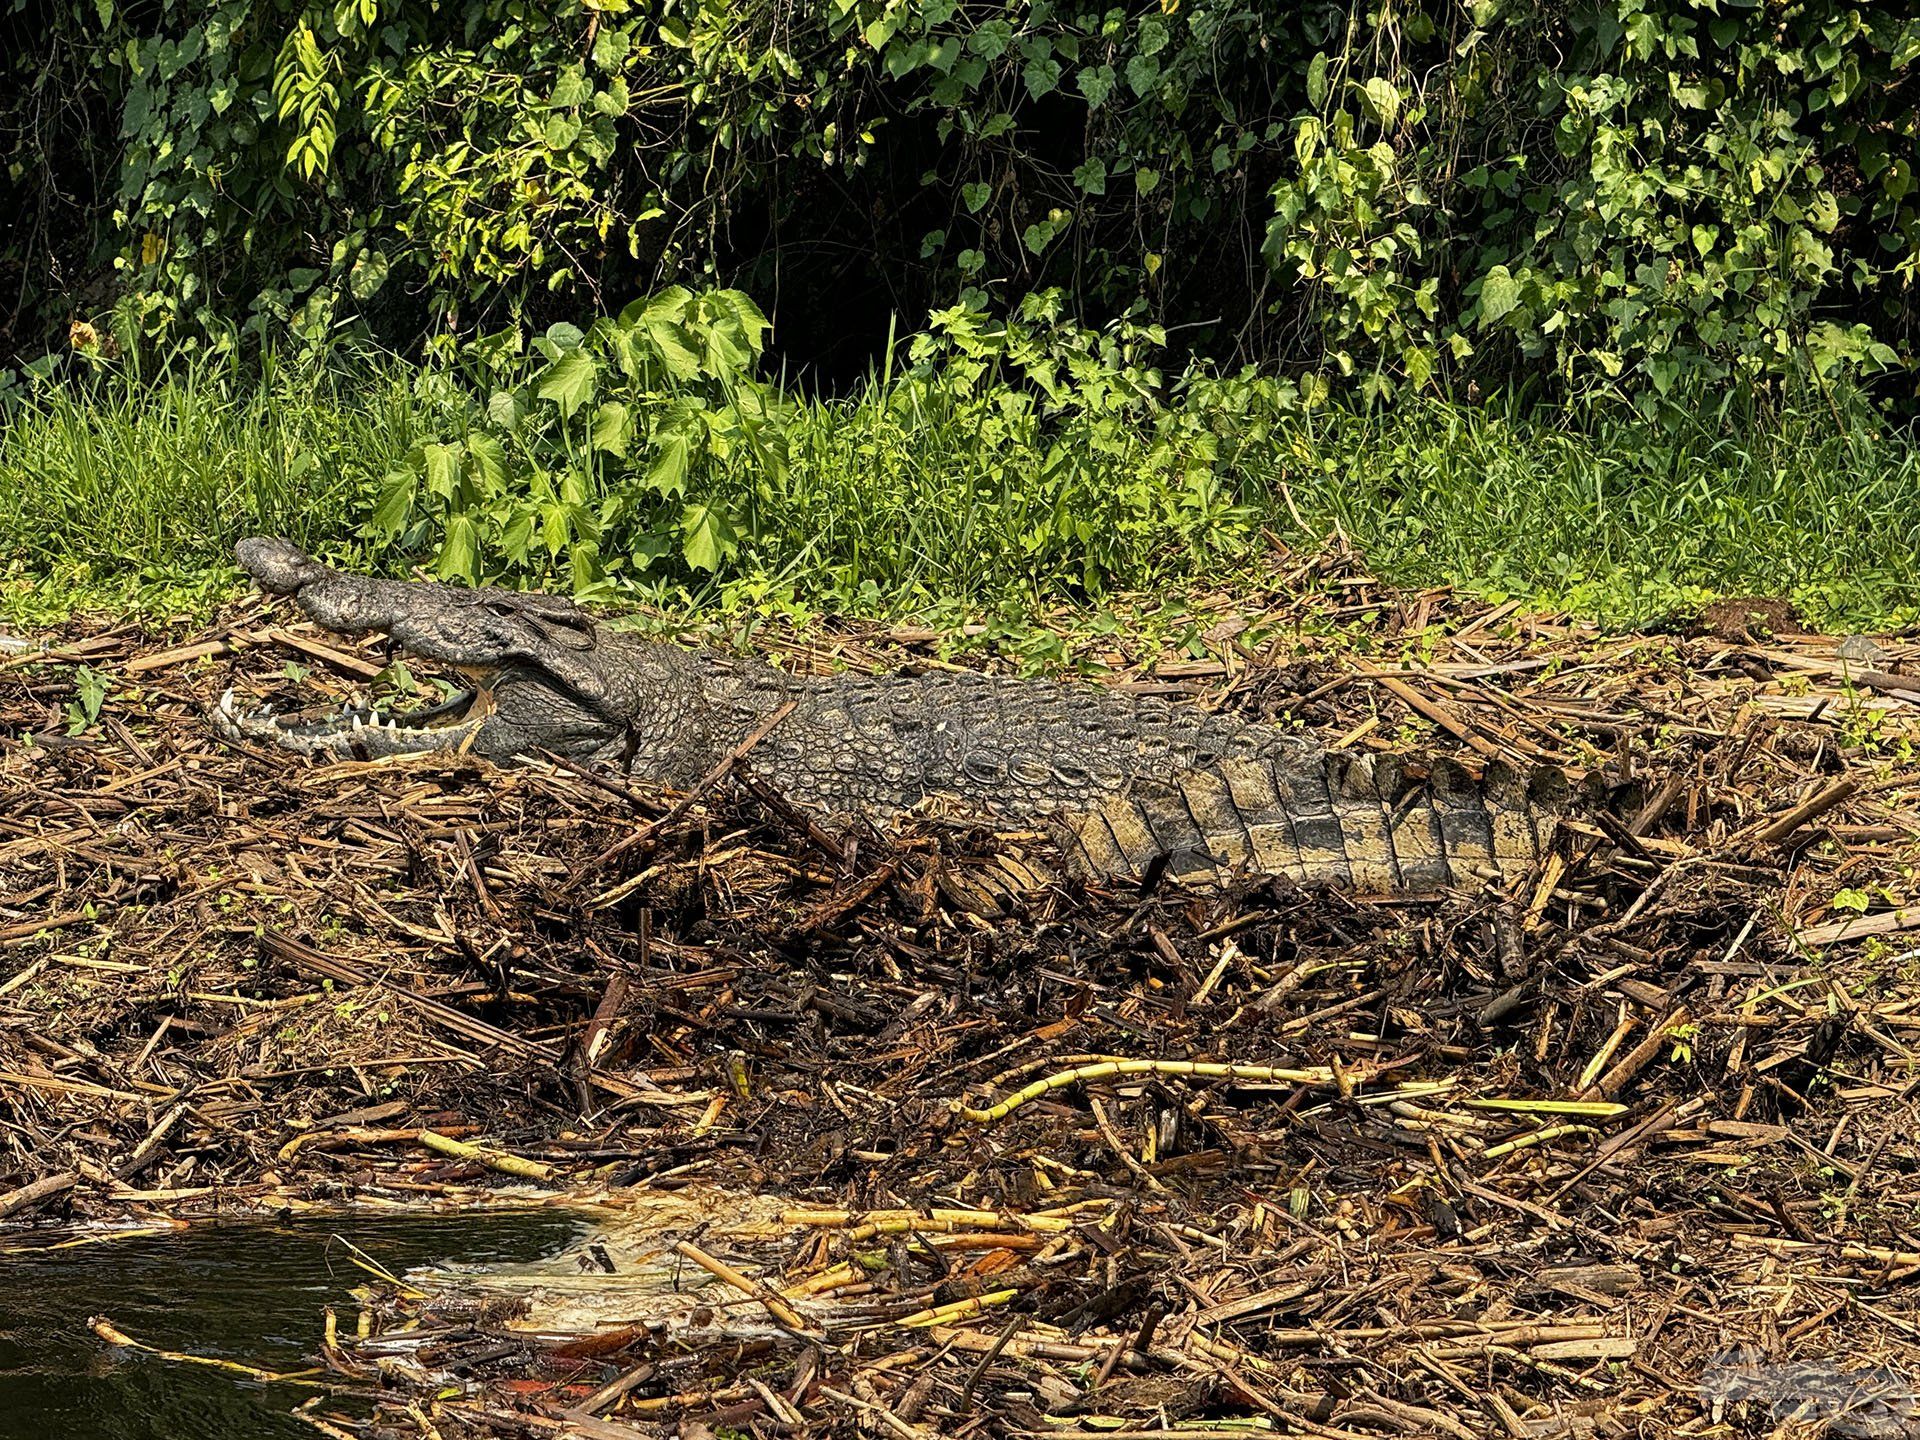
x: 1128, y: 785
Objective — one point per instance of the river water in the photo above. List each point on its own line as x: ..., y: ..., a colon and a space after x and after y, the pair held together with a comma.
x: 248, y: 1291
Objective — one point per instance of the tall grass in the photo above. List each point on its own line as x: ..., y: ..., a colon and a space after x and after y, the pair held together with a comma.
x: 1629, y: 515
x: 915, y: 493
x: 908, y: 496
x: 118, y: 476
x: 1610, y: 511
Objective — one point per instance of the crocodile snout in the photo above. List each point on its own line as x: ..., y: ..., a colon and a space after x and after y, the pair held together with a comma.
x: 278, y: 566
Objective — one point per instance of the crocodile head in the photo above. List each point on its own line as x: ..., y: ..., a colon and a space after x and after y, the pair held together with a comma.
x: 539, y: 674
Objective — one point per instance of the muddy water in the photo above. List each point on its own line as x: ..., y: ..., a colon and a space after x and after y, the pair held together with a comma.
x: 252, y: 1292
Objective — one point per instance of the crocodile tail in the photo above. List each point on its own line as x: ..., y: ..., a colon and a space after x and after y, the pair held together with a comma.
x: 1370, y: 823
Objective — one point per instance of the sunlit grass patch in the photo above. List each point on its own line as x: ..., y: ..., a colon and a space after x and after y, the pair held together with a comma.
x: 917, y: 494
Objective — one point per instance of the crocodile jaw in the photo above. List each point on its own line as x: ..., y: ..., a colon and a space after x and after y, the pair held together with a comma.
x: 361, y: 732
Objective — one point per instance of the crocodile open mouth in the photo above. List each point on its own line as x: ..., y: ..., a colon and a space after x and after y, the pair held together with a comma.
x: 366, y: 730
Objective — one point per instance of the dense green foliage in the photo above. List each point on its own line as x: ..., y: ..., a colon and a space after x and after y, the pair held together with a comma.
x: 1619, y: 192
x: 953, y: 301
x: 649, y: 441
x: 124, y: 478
x: 956, y: 488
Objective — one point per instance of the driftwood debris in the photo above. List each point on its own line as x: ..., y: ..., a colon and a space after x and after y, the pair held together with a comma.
x: 1489, y: 1163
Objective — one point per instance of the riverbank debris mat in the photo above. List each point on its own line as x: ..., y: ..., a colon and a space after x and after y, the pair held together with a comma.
x: 905, y: 1136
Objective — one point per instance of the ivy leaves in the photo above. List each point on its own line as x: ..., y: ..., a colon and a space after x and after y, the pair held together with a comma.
x: 1685, y: 219
x: 1147, y: 93
x: 1619, y: 191
x: 593, y: 455
x: 307, y: 101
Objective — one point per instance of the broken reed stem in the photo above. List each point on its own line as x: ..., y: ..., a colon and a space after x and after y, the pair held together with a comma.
x: 958, y: 1310
x: 1107, y: 1069
x: 493, y: 1159
x: 113, y: 1335
x: 868, y: 1223
x: 1589, y: 1109
x: 1537, y: 1137
x: 1807, y: 811
x: 776, y: 1307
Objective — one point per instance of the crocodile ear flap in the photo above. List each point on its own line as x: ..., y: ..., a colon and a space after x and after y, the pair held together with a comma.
x: 571, y: 667
x: 555, y: 619
x: 571, y: 670
x: 566, y: 655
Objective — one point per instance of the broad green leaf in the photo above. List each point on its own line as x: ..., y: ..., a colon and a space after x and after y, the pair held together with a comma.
x: 676, y: 348
x: 507, y: 409
x: 1042, y: 77
x: 727, y: 352
x: 670, y: 304
x: 1381, y: 101
x: 556, y: 527
x: 611, y: 46
x: 1317, y: 81
x: 515, y: 539
x: 1499, y: 294
x: 395, y: 505
x: 612, y: 428
x: 369, y: 273
x: 745, y: 316
x: 572, y: 88
x: 568, y: 382
x: 585, y: 564
x: 1143, y: 73
x: 443, y: 470
x: 707, y: 537
x: 459, y: 557
x: 1096, y: 83
x: 489, y: 461
x: 668, y: 473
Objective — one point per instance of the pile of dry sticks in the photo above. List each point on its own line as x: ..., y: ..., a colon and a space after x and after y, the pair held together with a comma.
x: 896, y: 1136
